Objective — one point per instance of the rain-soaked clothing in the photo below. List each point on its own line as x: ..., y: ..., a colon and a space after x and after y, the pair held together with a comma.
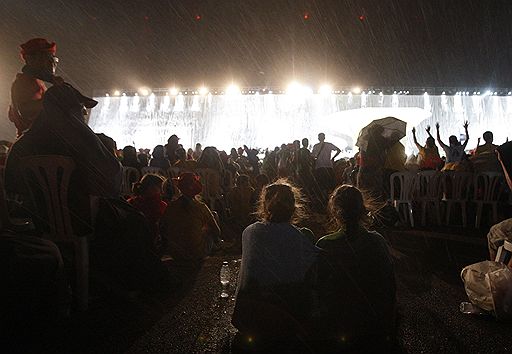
x: 356, y: 286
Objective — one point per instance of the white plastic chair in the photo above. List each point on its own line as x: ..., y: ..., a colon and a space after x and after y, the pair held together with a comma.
x: 429, y: 193
x: 130, y: 175
x: 407, y: 186
x: 456, y: 191
x: 49, y: 176
x: 488, y: 189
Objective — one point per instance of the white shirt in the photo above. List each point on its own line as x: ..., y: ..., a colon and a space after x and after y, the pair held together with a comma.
x: 323, y: 158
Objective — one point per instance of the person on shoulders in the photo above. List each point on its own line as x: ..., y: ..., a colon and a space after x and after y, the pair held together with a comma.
x: 428, y: 156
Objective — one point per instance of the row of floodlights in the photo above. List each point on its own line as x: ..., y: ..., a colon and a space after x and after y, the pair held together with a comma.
x: 294, y: 88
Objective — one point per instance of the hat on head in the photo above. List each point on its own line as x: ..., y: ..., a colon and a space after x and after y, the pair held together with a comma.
x: 36, y: 45
x: 189, y: 184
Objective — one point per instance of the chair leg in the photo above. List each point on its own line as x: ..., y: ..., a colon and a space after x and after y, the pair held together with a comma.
x: 82, y: 273
x: 448, y: 211
x: 411, y: 218
x: 478, y: 218
x: 464, y: 214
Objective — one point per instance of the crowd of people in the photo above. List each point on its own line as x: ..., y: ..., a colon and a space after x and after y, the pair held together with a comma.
x: 292, y: 283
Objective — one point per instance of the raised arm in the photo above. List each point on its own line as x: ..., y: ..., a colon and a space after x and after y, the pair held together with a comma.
x: 415, y: 140
x: 338, y: 151
x: 443, y: 145
x: 466, y: 124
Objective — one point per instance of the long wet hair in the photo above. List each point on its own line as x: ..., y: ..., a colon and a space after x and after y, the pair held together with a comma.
x: 281, y: 201
x: 348, y: 209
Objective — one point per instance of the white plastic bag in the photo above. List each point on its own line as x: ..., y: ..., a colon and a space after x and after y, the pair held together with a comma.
x: 489, y: 286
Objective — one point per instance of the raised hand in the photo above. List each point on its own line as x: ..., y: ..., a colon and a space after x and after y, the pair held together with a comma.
x: 466, y: 124
x: 414, y: 130
x: 428, y: 129
x: 437, y: 125
x: 478, y: 141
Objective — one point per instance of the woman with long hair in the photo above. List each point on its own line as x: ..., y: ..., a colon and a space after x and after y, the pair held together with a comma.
x: 273, y: 295
x: 356, y: 282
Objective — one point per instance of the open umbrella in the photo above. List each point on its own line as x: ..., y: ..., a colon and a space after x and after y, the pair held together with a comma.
x: 391, y: 128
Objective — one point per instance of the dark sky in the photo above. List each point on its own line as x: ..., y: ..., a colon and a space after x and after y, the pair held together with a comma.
x: 160, y: 43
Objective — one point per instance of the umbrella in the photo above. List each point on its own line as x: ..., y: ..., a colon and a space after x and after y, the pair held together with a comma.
x: 393, y: 129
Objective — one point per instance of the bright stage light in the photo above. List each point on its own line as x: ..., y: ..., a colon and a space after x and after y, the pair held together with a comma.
x: 203, y: 91
x: 296, y: 89
x: 356, y: 90
x: 117, y: 93
x: 144, y: 91
x: 325, y: 90
x: 173, y: 91
x: 232, y: 90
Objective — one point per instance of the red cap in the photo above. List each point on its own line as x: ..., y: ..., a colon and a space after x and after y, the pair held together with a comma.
x: 189, y: 184
x: 36, y: 45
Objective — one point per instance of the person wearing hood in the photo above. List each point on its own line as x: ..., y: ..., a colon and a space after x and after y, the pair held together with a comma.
x: 188, y: 227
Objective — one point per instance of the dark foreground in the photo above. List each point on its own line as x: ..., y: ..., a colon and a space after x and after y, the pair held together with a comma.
x: 196, y: 319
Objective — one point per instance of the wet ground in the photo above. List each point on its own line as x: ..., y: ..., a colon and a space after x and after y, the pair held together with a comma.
x: 194, y: 318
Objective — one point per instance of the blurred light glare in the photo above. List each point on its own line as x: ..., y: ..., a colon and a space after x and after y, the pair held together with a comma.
x: 117, y: 93
x: 356, y: 90
x: 173, y: 91
x: 144, y: 91
x: 325, y: 89
x: 203, y: 91
x: 232, y: 90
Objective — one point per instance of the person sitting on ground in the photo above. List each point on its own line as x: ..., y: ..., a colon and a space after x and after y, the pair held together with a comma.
x: 148, y: 200
x: 130, y: 158
x: 455, y: 155
x: 159, y: 159
x: 488, y: 147
x: 188, y: 227
x: 273, y: 294
x: 240, y: 200
x: 356, y: 281
x: 503, y: 230
x: 183, y: 164
x: 428, y: 156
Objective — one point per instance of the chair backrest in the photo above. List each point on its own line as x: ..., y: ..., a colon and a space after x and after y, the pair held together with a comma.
x: 47, y: 178
x: 130, y: 175
x: 155, y: 171
x: 406, y: 183
x: 456, y: 185
x: 489, y: 186
x: 429, y: 185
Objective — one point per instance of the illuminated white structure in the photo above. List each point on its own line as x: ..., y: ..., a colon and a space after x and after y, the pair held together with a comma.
x: 263, y: 119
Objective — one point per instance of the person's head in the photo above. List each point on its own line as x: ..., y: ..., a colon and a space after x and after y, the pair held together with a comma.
x: 223, y: 157
x: 39, y: 54
x: 346, y: 207
x: 280, y: 202
x: 189, y: 184
x: 129, y: 153
x: 453, y: 140
x: 296, y: 145
x: 242, y: 181
x: 488, y: 137
x: 198, y: 147
x: 262, y: 180
x: 233, y: 153
x: 305, y: 143
x: 321, y: 137
x: 190, y: 154
x: 181, y: 154
x: 430, y: 142
x: 210, y: 158
x: 143, y: 159
x: 158, y: 152
x: 149, y: 186
x: 173, y: 140
x: 240, y: 151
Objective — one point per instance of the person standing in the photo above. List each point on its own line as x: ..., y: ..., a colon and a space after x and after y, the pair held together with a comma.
x: 324, y: 172
x: 28, y: 88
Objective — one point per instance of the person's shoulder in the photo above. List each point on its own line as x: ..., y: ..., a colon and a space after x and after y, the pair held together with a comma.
x: 327, y: 240
x: 254, y: 228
